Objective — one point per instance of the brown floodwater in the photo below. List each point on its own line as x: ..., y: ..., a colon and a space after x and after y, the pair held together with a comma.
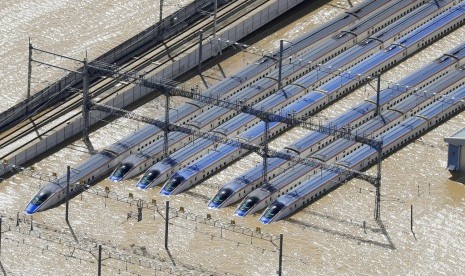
x: 327, y: 237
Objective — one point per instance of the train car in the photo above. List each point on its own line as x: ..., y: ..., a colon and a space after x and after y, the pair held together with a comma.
x: 366, y: 156
x: 355, y: 117
x: 161, y: 171
x: 133, y: 165
x: 259, y: 198
x: 210, y: 163
x: 97, y: 166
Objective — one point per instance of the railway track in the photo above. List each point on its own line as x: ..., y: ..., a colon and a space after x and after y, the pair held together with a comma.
x: 27, y: 131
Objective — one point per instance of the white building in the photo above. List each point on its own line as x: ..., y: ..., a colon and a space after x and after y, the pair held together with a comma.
x: 456, y: 151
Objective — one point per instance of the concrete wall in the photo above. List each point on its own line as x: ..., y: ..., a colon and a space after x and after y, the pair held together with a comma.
x: 178, y: 67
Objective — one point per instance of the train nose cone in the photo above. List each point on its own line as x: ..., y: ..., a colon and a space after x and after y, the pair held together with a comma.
x: 240, y: 213
x: 213, y: 205
x: 31, y: 208
x: 141, y: 185
x: 165, y: 192
x: 171, y: 185
x: 148, y: 179
x: 115, y: 178
x: 265, y: 220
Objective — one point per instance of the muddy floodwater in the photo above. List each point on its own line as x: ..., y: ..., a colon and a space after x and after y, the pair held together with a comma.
x: 336, y: 235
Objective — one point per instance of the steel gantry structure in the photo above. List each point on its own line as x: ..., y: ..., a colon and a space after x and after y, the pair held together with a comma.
x: 171, y: 88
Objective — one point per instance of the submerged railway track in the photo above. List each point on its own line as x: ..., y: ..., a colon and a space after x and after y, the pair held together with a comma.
x: 44, y: 121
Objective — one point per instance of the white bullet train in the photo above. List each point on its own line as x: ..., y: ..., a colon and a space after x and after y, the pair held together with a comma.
x: 365, y: 156
x: 102, y: 163
x: 418, y: 81
x: 294, y: 176
x: 248, y: 181
x: 161, y: 171
x: 332, y: 90
x: 320, y: 52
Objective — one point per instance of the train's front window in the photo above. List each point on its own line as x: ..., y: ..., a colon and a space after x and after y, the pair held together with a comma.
x: 122, y: 170
x: 173, y: 183
x: 149, y: 177
x: 222, y: 195
x: 273, y: 210
x: 248, y: 203
x: 41, y: 197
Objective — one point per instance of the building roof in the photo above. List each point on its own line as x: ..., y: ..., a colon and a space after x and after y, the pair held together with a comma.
x: 457, y: 138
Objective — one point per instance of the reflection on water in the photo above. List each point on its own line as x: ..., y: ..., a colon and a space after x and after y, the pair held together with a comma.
x: 335, y: 235
x: 456, y: 190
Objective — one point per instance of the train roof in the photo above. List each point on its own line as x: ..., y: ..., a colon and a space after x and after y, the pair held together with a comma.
x: 205, y: 161
x: 238, y: 182
x: 387, y: 138
x: 342, y: 21
x: 310, y: 184
x: 369, y: 127
x: 411, y: 102
x: 278, y: 97
x: 290, y: 175
x: 424, y: 30
x: 287, y: 69
x: 96, y: 160
x: 302, y: 144
x: 443, y: 103
x: 256, y: 131
x: 355, y: 112
x: 252, y: 173
x: 402, y: 24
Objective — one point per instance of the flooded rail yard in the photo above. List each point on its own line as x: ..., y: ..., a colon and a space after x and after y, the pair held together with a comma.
x: 337, y: 234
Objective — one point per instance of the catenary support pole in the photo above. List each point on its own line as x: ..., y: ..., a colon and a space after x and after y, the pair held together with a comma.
x: 68, y: 175
x: 167, y: 120
x: 378, y: 186
x: 215, y: 11
x: 85, y: 102
x: 378, y: 90
x: 265, y: 152
x: 167, y: 216
x: 29, y: 76
x: 280, y: 68
x: 280, y: 271
x: 99, y: 260
x: 1, y: 236
x: 411, y: 218
x: 161, y: 12
x: 200, y: 50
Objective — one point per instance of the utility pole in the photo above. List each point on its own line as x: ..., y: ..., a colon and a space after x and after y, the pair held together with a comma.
x: 161, y: 12
x: 378, y: 186
x: 29, y: 76
x: 68, y: 175
x: 99, y: 273
x: 215, y: 11
x: 200, y: 50
x: 378, y: 90
x: 281, y: 49
x: 85, y: 101
x: 265, y: 151
x: 280, y: 270
x: 167, y: 120
x: 1, y: 235
x: 167, y: 217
